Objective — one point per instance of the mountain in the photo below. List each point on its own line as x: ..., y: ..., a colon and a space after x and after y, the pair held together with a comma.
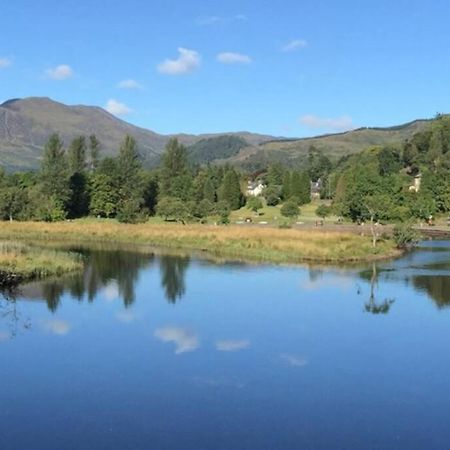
x: 26, y: 124
x: 293, y: 152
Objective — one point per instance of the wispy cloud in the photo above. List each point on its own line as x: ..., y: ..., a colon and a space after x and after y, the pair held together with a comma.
x: 125, y: 316
x: 187, y: 62
x: 4, y: 336
x: 294, y: 360
x: 59, y: 73
x: 184, y: 339
x: 205, y: 21
x: 117, y: 108
x: 5, y: 62
x: 233, y: 58
x: 342, y: 123
x: 219, y: 382
x: 232, y: 345
x: 111, y: 291
x: 57, y: 326
x: 129, y: 84
x: 294, y: 45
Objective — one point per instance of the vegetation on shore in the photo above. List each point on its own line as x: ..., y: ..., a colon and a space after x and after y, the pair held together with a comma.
x: 20, y: 262
x: 236, y: 242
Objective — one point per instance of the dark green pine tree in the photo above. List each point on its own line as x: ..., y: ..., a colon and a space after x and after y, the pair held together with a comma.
x: 230, y: 190
x: 300, y: 187
x: 55, y: 178
x: 176, y: 179
x: 78, y: 204
x: 130, y: 181
x: 209, y: 191
x: 94, y: 149
x: 286, y: 187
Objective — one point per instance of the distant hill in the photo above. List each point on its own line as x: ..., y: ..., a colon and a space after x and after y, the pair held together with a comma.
x: 293, y: 152
x: 26, y: 124
x: 215, y: 148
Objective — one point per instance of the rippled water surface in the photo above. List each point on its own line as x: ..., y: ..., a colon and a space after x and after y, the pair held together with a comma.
x: 164, y: 352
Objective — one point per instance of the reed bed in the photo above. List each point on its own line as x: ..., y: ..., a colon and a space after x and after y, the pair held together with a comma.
x: 251, y: 243
x: 19, y: 262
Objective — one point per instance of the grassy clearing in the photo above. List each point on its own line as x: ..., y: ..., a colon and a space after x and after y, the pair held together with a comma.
x: 237, y: 242
x: 19, y: 262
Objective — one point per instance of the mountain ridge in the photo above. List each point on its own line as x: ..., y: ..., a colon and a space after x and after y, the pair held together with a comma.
x: 26, y: 124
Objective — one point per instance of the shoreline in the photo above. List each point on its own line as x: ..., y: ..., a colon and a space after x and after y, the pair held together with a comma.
x: 268, y: 245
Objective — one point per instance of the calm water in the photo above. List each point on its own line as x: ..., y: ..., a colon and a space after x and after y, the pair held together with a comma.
x: 163, y: 352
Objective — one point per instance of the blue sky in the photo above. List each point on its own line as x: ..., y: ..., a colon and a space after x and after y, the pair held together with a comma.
x: 293, y: 68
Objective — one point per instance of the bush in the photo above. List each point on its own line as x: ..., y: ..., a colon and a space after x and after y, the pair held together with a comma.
x: 323, y: 211
x: 405, y: 236
x: 254, y: 203
x: 172, y: 208
x: 272, y: 199
x: 223, y: 210
x: 290, y: 209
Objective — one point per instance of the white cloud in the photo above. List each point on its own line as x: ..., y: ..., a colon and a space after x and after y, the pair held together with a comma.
x: 233, y: 58
x: 4, y: 336
x: 61, y: 72
x: 111, y: 291
x: 187, y: 61
x: 296, y: 44
x: 129, y: 84
x: 342, y: 123
x: 232, y: 346
x: 56, y: 326
x: 125, y: 316
x: 215, y: 20
x: 294, y: 360
x: 117, y: 108
x: 184, y: 339
x: 5, y: 62
x: 209, y: 20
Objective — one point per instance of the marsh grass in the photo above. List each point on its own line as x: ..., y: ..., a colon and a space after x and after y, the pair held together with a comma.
x: 19, y: 261
x: 251, y: 243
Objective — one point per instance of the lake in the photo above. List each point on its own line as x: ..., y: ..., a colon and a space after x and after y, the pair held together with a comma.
x: 146, y: 351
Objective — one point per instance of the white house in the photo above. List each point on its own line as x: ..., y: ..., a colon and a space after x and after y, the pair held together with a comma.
x: 255, y: 188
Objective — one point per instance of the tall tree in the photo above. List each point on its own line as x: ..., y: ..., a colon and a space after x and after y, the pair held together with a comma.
x: 176, y: 179
x: 130, y: 181
x: 94, y: 149
x: 55, y: 177
x: 79, y: 202
x: 230, y: 189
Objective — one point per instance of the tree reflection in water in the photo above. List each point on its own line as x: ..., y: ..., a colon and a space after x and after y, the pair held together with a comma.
x: 372, y: 306
x: 173, y: 271
x: 11, y: 315
x: 111, y: 266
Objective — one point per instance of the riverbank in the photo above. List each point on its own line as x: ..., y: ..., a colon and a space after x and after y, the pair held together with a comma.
x: 235, y: 242
x: 20, y: 262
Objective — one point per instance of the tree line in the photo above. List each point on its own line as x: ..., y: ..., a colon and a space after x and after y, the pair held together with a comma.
x: 376, y: 184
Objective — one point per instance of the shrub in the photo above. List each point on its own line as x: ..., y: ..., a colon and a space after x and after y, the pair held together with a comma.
x: 290, y: 209
x: 405, y: 235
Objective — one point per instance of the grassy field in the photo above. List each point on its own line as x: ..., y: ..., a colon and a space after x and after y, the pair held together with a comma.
x: 234, y: 242
x: 19, y: 262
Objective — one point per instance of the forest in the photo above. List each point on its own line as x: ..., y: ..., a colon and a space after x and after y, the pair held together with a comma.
x: 396, y: 183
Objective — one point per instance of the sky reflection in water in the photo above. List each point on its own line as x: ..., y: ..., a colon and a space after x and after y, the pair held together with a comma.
x: 145, y: 351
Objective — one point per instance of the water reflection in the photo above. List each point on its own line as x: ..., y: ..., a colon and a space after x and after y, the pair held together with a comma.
x: 173, y: 270
x: 372, y: 305
x: 437, y: 287
x: 11, y: 316
x: 116, y: 273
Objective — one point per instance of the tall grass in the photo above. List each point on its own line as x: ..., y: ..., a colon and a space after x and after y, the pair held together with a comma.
x: 252, y: 243
x: 19, y: 261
